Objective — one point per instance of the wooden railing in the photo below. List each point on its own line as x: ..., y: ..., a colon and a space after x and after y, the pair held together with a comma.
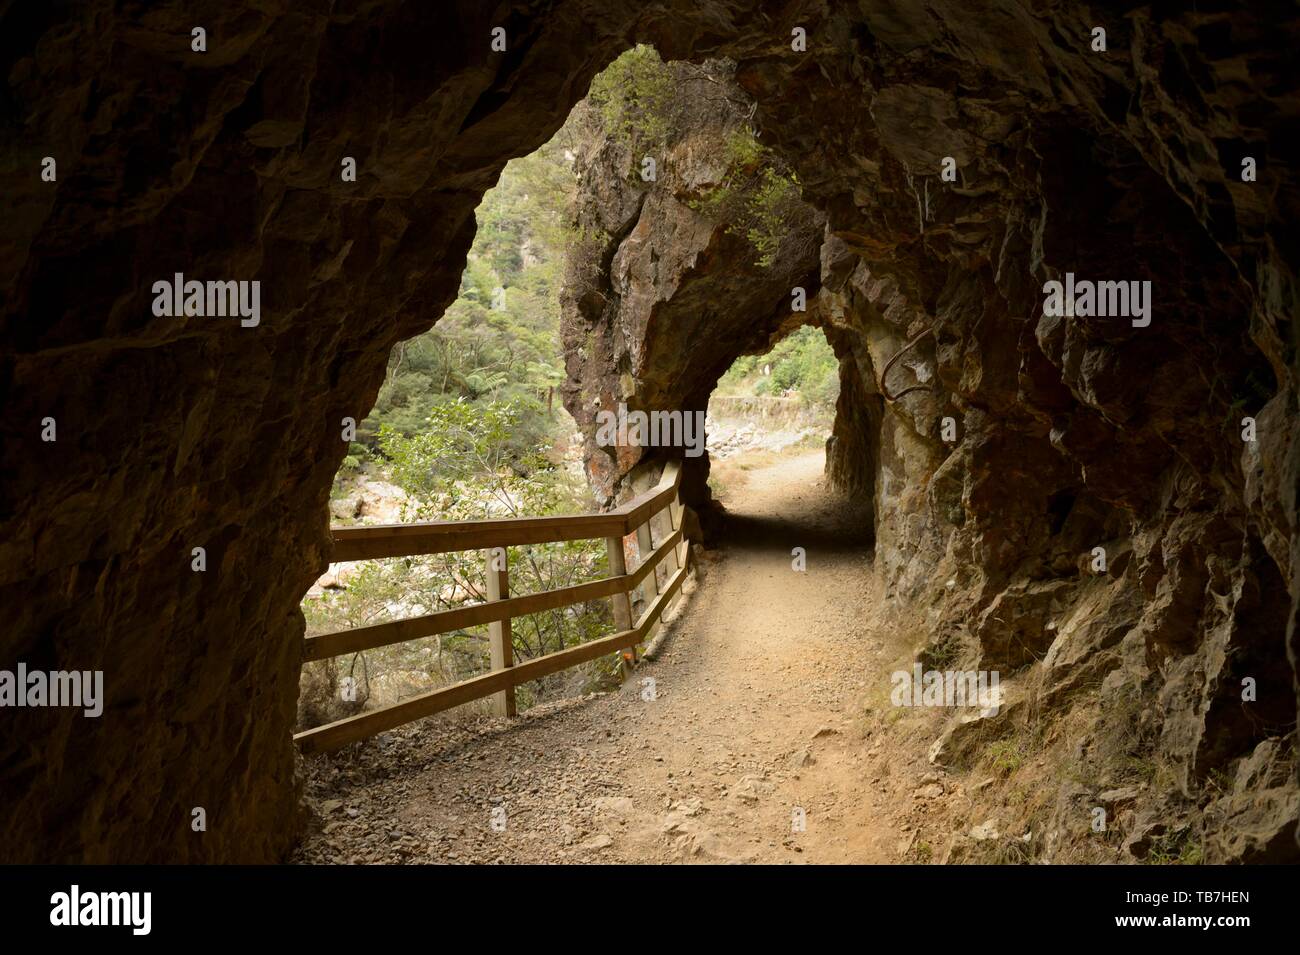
x: 404, y: 540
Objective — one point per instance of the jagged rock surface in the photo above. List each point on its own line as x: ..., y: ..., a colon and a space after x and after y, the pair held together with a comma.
x: 662, y: 297
x: 1070, y: 433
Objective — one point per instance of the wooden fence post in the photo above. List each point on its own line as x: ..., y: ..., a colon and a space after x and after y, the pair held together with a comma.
x: 622, y: 602
x: 668, y: 520
x: 493, y: 536
x: 650, y: 586
x: 617, y: 568
x: 645, y: 547
x: 676, y: 514
x: 499, y: 633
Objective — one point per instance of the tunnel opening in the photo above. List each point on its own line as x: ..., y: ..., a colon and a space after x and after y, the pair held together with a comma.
x: 777, y: 414
x: 779, y: 426
x: 769, y: 404
x: 468, y: 425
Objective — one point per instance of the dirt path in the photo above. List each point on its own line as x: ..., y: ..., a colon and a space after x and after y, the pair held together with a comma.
x: 754, y: 725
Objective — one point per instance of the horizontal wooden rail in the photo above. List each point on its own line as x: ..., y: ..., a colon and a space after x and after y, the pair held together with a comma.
x: 440, y: 537
x: 650, y: 562
x: 404, y: 540
x: 641, y: 509
x: 352, y: 728
x: 447, y: 621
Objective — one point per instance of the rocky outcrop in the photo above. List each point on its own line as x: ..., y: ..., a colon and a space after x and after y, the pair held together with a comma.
x: 175, y: 433
x: 1067, y: 494
x: 661, y: 294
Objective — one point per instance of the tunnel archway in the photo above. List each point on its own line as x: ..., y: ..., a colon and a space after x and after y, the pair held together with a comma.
x: 174, y: 433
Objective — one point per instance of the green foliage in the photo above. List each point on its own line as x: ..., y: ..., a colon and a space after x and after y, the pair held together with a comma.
x: 635, y: 96
x: 466, y: 424
x: 743, y: 151
x: 802, y: 363
x: 759, y: 197
x: 768, y: 208
x: 644, y: 105
x: 1180, y: 847
x: 1005, y: 756
x: 462, y: 446
x: 478, y: 353
x: 465, y: 463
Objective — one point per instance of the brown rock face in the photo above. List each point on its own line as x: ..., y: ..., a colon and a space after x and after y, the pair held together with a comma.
x: 1021, y: 440
x: 176, y: 433
x: 662, y: 297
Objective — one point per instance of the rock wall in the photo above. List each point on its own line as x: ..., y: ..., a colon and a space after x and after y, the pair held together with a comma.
x: 1082, y: 432
x: 176, y: 433
x: 661, y: 296
x: 1065, y: 434
x: 225, y: 165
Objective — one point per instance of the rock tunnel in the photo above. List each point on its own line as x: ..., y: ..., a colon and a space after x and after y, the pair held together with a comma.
x: 1009, y: 442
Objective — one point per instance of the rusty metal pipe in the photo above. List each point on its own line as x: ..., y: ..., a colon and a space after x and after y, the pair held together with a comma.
x: 890, y: 364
